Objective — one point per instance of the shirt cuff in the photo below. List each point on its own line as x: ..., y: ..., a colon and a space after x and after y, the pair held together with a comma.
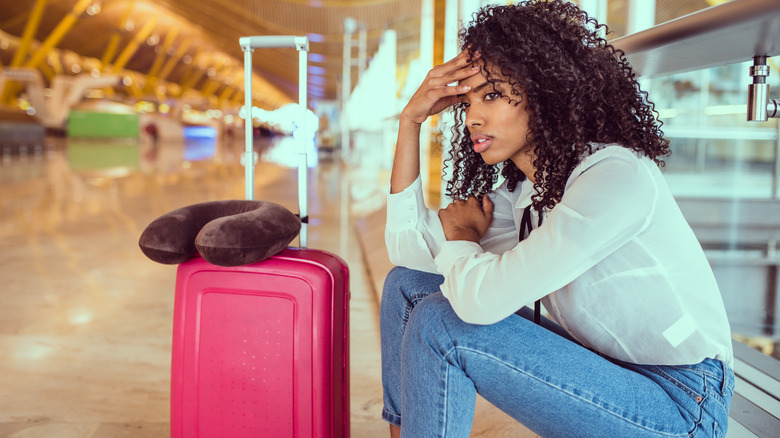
x: 404, y: 208
x: 454, y: 250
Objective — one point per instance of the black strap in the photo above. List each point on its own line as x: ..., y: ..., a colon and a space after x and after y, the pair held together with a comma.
x: 525, y: 230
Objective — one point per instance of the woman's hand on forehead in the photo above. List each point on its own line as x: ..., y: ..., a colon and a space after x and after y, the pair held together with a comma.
x: 435, y: 93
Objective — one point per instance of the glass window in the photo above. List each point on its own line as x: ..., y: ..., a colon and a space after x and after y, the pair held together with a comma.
x: 723, y: 172
x: 716, y: 151
x: 665, y: 10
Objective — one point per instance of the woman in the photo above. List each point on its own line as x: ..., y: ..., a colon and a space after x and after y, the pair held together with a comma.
x: 552, y: 136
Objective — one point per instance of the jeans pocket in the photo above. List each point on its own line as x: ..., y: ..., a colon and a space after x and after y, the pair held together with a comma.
x: 709, y: 427
x: 689, y: 382
x: 717, y: 405
x: 687, y: 388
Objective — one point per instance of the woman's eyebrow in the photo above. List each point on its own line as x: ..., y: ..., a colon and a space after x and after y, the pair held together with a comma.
x: 476, y: 90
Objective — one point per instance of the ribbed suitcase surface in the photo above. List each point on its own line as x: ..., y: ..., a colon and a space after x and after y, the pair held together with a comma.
x: 261, y: 350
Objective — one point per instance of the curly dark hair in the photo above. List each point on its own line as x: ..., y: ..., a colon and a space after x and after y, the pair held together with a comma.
x: 578, y: 90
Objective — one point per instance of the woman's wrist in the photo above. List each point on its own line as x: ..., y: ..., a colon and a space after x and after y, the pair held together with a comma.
x: 466, y: 234
x: 407, y: 120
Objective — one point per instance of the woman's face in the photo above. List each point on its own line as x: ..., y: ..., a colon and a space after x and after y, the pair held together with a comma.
x: 498, y: 127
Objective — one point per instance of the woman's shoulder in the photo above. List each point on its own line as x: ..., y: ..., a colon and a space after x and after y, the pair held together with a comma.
x: 603, y: 150
x: 610, y: 154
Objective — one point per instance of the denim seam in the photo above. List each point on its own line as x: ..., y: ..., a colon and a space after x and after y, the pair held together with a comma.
x: 408, y: 309
x: 679, y: 384
x: 727, y: 375
x: 721, y: 401
x: 446, y: 401
x: 691, y: 393
x: 706, y: 373
x: 591, y: 402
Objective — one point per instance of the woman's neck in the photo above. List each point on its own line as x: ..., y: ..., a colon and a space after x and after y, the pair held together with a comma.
x: 524, y: 162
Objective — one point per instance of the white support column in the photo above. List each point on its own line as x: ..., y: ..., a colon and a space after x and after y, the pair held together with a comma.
x: 446, y: 120
x: 467, y: 9
x: 426, y: 64
x: 346, y: 86
x: 776, y: 168
x: 596, y: 9
x: 641, y: 15
x: 362, y: 58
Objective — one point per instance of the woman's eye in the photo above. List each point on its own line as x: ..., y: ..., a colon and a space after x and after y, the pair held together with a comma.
x: 463, y: 105
x: 492, y: 96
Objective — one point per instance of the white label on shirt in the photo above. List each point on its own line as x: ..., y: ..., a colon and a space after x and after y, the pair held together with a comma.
x: 680, y: 330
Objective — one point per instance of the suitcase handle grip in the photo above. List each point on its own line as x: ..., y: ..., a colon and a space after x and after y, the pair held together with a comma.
x: 274, y: 42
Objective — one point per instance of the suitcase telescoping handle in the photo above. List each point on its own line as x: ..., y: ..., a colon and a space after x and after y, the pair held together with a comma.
x: 301, y: 43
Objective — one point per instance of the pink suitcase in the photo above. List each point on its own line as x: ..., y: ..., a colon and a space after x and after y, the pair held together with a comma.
x: 262, y: 350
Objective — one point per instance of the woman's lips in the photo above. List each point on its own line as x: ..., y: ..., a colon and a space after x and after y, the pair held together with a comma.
x: 482, y: 144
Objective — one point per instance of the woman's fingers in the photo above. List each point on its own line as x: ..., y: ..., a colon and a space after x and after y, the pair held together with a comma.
x: 469, y: 217
x: 435, y: 94
x: 462, y: 59
x: 487, y: 207
x: 446, y: 74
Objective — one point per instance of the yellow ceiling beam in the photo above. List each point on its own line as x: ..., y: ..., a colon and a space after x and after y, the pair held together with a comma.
x: 56, y: 63
x: 160, y: 58
x: 132, y: 47
x: 237, y: 99
x: 192, y: 76
x: 9, y: 91
x: 29, y: 32
x: 135, y: 90
x: 192, y: 80
x: 58, y: 33
x: 211, y: 87
x: 226, y: 93
x: 151, y: 79
x: 173, y: 60
x: 212, y: 84
x: 160, y: 92
x: 116, y: 37
x: 47, y: 71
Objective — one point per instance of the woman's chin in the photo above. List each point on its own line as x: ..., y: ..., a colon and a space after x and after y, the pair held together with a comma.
x: 488, y: 159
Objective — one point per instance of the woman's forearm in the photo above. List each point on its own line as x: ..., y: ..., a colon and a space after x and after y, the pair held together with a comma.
x: 406, y: 165
x: 433, y: 96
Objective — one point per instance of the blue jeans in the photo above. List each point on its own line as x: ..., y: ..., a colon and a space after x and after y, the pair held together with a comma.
x: 434, y: 364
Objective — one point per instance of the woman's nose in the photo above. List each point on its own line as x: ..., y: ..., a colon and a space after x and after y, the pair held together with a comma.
x: 474, y: 119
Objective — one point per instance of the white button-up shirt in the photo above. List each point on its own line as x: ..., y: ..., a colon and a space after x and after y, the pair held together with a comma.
x: 614, y: 262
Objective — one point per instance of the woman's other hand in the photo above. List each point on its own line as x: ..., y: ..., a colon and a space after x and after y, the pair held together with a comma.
x: 467, y: 220
x: 434, y: 95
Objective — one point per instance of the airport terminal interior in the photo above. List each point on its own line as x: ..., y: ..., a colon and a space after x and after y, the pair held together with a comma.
x: 115, y: 112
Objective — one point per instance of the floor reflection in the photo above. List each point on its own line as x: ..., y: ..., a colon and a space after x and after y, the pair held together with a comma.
x: 85, y: 326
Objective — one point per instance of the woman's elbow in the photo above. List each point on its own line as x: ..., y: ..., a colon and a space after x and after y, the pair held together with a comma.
x: 396, y: 259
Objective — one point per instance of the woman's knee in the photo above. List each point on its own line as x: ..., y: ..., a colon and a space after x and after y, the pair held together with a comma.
x: 431, y: 315
x: 409, y: 284
x: 396, y: 278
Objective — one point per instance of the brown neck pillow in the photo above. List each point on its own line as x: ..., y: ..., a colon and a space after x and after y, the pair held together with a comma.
x: 225, y: 233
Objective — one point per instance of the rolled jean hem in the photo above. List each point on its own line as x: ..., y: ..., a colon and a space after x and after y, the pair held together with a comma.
x: 391, y: 418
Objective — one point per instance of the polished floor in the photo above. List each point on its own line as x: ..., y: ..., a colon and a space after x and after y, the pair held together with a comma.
x: 85, y: 320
